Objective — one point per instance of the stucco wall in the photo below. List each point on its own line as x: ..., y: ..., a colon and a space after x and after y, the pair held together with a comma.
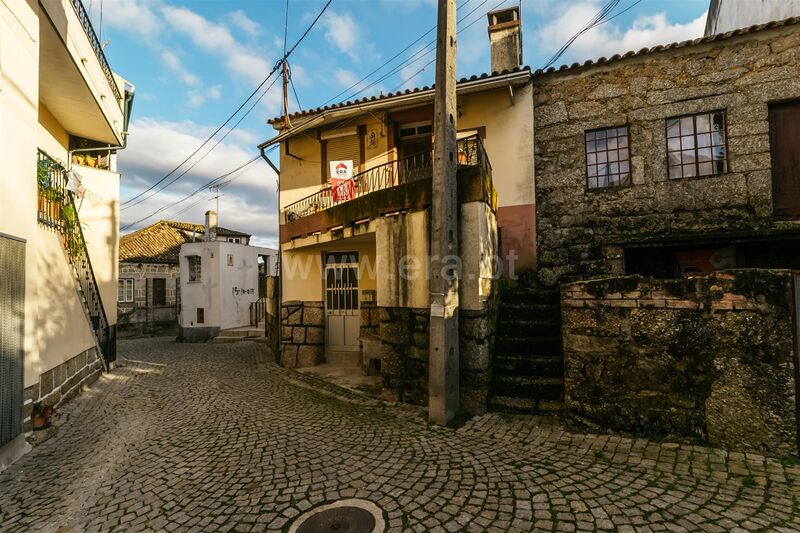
x: 741, y: 75
x: 708, y: 358
x: 727, y: 15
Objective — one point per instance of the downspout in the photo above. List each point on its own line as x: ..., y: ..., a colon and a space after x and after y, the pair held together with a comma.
x: 265, y: 157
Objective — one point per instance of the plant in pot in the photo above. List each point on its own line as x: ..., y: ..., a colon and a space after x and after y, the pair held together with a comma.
x: 40, y: 416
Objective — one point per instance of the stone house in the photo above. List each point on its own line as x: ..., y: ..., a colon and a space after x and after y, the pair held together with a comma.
x: 64, y: 114
x: 148, y: 295
x: 676, y: 159
x: 354, y: 261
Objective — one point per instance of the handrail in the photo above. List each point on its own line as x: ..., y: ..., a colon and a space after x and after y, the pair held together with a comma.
x: 398, y: 172
x: 80, y: 10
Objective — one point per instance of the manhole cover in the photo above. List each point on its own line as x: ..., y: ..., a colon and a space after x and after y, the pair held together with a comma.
x: 340, y: 519
x: 345, y: 516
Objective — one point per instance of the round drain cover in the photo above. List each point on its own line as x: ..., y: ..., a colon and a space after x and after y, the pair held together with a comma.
x: 347, y: 519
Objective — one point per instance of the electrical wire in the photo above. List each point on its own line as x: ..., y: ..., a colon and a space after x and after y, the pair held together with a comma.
x: 130, y: 201
x: 599, y: 18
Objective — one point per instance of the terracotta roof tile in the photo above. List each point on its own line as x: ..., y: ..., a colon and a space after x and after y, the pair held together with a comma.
x: 161, y: 242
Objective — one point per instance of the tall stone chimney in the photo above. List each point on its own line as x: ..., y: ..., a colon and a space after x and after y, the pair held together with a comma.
x: 211, y: 226
x: 505, y: 39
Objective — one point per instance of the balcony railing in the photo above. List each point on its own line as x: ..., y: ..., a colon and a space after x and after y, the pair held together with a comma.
x: 53, y: 194
x: 98, y: 49
x: 400, y: 172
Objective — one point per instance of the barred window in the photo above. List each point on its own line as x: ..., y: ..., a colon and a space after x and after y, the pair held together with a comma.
x: 125, y: 290
x: 696, y: 145
x: 607, y: 158
x: 195, y: 268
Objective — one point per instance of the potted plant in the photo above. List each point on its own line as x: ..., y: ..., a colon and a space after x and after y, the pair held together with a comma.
x: 40, y: 416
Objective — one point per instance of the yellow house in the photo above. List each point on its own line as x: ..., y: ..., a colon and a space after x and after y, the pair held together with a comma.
x: 354, y: 276
x: 64, y: 115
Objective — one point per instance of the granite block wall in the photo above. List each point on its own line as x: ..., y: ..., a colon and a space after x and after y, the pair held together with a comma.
x: 302, y: 334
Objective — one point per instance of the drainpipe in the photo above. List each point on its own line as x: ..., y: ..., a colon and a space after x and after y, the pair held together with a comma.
x: 265, y: 157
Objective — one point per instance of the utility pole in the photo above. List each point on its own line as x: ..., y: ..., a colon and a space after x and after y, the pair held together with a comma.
x: 285, y: 73
x: 443, y: 393
x: 215, y: 190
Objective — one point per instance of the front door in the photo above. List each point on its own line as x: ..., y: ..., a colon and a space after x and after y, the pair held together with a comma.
x: 12, y: 316
x: 342, y: 315
x: 784, y: 128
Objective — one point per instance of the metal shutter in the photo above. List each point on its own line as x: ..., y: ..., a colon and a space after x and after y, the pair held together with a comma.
x: 12, y: 321
x: 344, y: 148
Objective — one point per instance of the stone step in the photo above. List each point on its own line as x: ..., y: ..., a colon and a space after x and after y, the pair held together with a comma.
x: 530, y: 296
x: 540, y: 327
x: 242, y: 332
x: 529, y: 312
x: 508, y: 404
x: 227, y: 339
x: 524, y: 345
x: 544, y: 366
x: 541, y: 388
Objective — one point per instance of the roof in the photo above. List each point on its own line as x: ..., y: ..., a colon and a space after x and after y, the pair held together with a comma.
x: 672, y: 46
x: 387, y: 96
x: 161, y: 242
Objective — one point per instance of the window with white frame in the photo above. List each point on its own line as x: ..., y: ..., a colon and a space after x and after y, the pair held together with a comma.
x: 125, y: 290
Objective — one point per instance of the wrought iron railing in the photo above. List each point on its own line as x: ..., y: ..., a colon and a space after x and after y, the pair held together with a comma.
x: 399, y: 172
x: 57, y: 210
x: 258, y: 311
x: 83, y: 15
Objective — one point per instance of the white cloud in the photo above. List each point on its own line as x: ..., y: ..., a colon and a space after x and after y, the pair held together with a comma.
x: 217, y: 39
x: 345, y: 77
x: 157, y: 146
x: 240, y: 20
x: 343, y: 32
x: 609, y: 39
x: 136, y: 16
x: 175, y: 65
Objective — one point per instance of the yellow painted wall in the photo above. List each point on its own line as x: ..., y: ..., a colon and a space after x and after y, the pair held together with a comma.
x: 302, y: 268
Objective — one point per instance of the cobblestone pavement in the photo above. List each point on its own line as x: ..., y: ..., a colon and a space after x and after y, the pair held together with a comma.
x: 217, y: 439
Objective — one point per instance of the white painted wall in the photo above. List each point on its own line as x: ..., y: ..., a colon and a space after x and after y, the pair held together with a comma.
x: 225, y: 291
x: 728, y: 15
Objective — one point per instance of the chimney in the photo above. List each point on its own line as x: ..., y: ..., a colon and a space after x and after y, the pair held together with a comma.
x: 211, y: 226
x: 505, y: 39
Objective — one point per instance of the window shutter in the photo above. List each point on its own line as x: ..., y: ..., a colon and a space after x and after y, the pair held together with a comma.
x: 343, y: 148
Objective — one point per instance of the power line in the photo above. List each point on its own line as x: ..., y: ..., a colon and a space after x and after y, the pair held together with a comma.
x: 599, y: 18
x: 255, y: 91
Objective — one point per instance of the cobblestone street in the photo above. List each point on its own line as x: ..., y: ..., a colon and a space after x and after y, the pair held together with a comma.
x: 211, y: 437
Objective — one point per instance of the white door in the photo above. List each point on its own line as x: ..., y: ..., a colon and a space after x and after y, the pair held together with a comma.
x: 342, y: 314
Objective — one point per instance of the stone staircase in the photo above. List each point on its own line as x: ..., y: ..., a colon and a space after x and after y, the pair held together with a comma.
x: 528, y: 365
x: 244, y: 333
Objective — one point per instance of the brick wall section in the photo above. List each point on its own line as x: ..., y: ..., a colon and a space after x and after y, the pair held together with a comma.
x: 63, y: 382
x: 709, y: 358
x: 580, y: 233
x: 302, y: 334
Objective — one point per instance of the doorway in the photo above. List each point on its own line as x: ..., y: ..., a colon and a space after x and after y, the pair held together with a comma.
x: 784, y: 132
x: 342, y: 313
x: 12, y: 316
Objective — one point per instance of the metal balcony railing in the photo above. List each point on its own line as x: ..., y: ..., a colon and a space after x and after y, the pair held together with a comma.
x: 83, y: 15
x: 400, y: 172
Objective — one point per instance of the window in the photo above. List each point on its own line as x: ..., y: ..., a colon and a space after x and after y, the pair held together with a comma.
x: 608, y: 161
x: 201, y: 315
x: 415, y: 131
x: 159, y: 291
x: 195, y: 268
x: 125, y: 291
x: 234, y: 240
x: 696, y: 145
x: 230, y: 260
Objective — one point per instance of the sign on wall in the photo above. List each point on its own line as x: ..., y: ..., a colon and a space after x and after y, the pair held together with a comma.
x: 342, y: 186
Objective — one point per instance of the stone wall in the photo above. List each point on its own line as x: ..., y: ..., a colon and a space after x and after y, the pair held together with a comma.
x: 302, y: 334
x: 475, y: 349
x: 141, y: 316
x: 581, y: 233
x: 61, y: 383
x: 710, y: 358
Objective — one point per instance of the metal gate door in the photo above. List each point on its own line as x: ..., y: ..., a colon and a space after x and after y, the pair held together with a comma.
x: 342, y: 315
x: 12, y: 320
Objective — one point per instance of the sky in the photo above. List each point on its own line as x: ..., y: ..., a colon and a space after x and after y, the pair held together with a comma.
x: 194, y: 62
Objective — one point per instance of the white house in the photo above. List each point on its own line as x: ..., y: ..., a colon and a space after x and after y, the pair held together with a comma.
x: 219, y: 281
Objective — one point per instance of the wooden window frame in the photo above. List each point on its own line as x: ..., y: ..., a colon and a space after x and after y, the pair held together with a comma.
x: 125, y: 290
x: 724, y: 145
x: 586, y: 153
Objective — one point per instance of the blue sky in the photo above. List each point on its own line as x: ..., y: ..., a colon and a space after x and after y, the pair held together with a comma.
x: 194, y: 62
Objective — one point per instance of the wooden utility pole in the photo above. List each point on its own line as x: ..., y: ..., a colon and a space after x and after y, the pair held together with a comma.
x: 443, y: 394
x: 285, y: 73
